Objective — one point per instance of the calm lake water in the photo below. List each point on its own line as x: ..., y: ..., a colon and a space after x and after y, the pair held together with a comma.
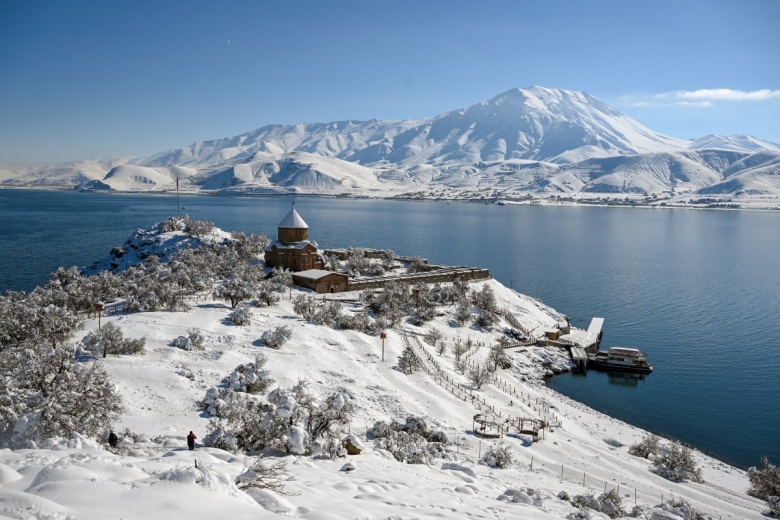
x: 698, y: 290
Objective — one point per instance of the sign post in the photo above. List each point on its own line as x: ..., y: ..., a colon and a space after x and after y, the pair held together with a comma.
x: 383, y: 335
x: 99, y: 309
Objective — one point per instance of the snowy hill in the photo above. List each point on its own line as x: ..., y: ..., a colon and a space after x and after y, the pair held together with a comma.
x: 737, y: 143
x: 151, y: 475
x: 534, y: 141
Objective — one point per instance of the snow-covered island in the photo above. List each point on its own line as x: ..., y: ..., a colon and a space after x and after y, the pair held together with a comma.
x: 399, y: 402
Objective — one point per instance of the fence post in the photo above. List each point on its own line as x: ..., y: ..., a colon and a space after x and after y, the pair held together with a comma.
x: 561, y: 472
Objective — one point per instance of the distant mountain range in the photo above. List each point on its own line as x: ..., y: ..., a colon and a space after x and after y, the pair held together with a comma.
x: 524, y: 143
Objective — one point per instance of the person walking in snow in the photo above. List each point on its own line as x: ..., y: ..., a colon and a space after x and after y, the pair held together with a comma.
x: 191, y: 441
x: 112, y: 439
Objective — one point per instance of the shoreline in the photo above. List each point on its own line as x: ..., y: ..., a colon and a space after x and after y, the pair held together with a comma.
x: 534, y: 201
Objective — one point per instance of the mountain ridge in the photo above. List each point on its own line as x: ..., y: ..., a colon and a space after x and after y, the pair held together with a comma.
x: 535, y: 141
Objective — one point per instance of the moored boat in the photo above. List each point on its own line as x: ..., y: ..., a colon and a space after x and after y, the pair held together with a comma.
x: 620, y: 359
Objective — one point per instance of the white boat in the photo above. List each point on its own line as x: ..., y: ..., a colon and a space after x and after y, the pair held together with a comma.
x: 621, y: 359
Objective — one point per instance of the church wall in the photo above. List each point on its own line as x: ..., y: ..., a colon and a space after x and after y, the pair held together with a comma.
x: 289, y: 235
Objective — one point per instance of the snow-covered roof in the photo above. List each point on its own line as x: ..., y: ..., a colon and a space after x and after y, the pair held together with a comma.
x: 313, y: 274
x: 293, y: 221
x: 294, y: 245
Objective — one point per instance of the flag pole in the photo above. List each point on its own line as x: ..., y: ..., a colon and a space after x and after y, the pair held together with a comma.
x: 178, y: 206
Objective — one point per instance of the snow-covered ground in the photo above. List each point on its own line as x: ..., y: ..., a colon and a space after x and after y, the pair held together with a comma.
x: 157, y: 477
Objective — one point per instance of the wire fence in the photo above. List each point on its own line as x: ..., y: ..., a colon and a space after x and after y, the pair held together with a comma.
x: 587, y: 483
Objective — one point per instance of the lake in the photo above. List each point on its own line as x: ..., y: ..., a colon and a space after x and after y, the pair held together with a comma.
x: 698, y: 290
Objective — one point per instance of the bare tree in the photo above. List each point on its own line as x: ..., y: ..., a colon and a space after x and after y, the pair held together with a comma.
x: 262, y: 474
x: 459, y: 350
x: 498, y: 359
x: 479, y: 376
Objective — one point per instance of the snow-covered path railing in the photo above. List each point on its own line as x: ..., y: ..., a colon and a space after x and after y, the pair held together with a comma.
x: 512, y: 320
x: 465, y: 393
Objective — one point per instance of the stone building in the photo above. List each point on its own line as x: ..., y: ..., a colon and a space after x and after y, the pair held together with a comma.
x: 322, y: 281
x: 293, y: 250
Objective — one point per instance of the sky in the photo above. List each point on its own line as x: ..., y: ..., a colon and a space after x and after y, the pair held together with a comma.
x: 95, y: 79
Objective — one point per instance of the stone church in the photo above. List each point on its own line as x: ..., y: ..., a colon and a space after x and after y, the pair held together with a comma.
x: 293, y: 250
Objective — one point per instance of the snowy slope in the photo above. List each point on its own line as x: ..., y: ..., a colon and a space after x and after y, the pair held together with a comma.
x: 668, y: 173
x: 755, y: 175
x: 297, y: 170
x: 737, y: 143
x: 138, y: 178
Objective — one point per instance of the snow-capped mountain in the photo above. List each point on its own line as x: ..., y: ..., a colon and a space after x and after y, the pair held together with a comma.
x: 536, y: 141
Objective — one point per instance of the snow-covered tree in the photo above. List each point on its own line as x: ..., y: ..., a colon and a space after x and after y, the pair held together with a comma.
x: 241, y: 316
x: 675, y: 462
x: 498, y: 456
x: 417, y: 264
x: 463, y: 311
x: 647, y: 447
x: 235, y: 289
x: 387, y: 257
x: 357, y: 263
x: 110, y: 339
x: 46, y: 393
x: 764, y: 481
x: 266, y: 295
x: 281, y: 279
x: 305, y: 306
x: 412, y: 442
x: 250, y: 246
x: 252, y: 378
x: 485, y: 299
x: 277, y: 337
x: 408, y: 361
x: 293, y: 420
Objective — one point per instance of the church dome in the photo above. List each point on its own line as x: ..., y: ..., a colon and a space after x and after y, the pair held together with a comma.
x: 293, y: 221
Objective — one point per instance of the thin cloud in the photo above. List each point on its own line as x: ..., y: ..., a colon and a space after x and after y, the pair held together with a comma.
x: 721, y: 94
x: 702, y: 98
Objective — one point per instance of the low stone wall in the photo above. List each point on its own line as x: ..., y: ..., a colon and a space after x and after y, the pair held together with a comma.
x: 443, y: 275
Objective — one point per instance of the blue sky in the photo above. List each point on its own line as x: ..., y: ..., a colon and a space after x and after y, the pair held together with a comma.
x: 93, y: 79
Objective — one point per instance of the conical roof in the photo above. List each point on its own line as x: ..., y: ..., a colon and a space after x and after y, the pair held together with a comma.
x: 293, y: 221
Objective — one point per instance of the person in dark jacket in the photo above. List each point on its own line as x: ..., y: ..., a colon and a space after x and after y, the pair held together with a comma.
x: 112, y: 439
x: 191, y: 441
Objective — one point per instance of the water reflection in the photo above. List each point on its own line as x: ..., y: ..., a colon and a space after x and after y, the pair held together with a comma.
x: 624, y: 379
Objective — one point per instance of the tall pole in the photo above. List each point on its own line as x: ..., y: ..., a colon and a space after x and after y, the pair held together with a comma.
x: 99, y: 309
x: 178, y: 206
